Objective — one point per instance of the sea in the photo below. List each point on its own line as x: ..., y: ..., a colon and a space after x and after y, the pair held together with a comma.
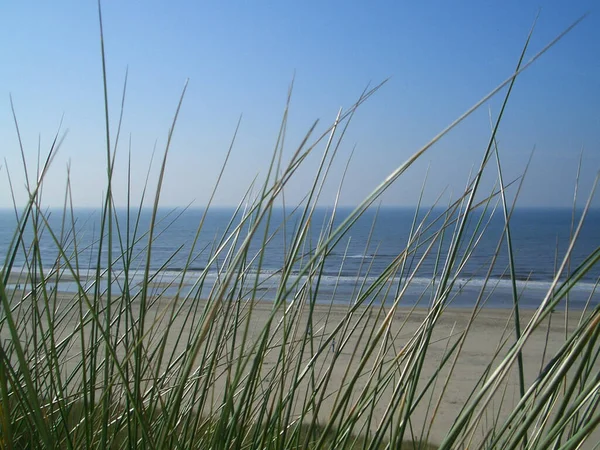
x: 355, y: 260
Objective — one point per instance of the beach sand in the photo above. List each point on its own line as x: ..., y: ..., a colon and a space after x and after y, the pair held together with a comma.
x: 489, y: 328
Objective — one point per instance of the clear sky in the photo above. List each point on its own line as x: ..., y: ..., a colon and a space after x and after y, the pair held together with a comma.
x: 240, y: 58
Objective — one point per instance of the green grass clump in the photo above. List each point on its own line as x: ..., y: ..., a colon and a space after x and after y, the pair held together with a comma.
x: 119, y: 364
x: 66, y: 428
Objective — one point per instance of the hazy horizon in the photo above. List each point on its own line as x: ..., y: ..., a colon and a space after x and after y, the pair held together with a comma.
x: 241, y: 59
x: 289, y: 208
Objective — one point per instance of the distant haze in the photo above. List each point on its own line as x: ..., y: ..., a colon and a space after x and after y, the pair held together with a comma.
x: 241, y: 57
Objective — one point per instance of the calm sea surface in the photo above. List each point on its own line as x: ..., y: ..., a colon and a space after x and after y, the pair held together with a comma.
x: 540, y: 239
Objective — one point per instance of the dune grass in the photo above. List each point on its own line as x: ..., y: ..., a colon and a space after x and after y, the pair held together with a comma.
x: 121, y: 364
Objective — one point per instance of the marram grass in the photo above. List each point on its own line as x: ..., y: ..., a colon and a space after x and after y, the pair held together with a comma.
x: 120, y: 364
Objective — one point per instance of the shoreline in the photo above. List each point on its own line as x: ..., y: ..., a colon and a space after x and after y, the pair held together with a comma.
x: 460, y: 300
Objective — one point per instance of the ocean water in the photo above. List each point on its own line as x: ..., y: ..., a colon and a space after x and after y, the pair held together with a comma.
x: 540, y: 239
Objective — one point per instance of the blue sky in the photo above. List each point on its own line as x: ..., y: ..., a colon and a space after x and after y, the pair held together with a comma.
x: 240, y: 57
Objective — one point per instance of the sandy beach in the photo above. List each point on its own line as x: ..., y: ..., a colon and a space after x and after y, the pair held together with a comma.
x: 339, y: 352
